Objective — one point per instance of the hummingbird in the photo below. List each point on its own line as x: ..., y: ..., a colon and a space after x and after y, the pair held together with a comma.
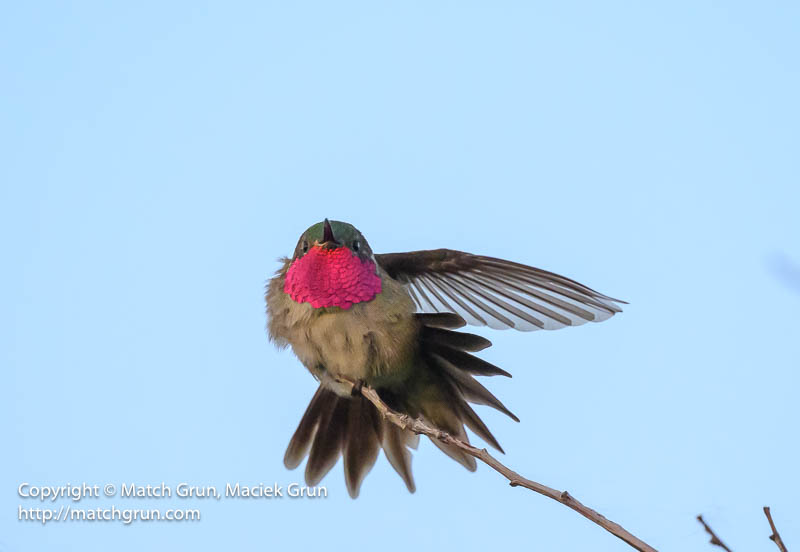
x: 388, y: 321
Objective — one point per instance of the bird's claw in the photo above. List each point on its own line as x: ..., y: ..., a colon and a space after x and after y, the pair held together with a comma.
x: 357, y: 388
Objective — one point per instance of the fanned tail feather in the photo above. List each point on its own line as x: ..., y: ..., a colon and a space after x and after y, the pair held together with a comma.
x: 439, y: 393
x: 351, y: 427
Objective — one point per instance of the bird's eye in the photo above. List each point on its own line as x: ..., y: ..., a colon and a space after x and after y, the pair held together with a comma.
x: 305, y: 246
x: 356, y: 245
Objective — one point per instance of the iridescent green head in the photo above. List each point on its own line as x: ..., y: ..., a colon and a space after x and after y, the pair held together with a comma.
x: 332, y: 235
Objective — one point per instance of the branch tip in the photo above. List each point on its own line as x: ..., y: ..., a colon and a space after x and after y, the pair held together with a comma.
x: 714, y: 540
x: 775, y: 536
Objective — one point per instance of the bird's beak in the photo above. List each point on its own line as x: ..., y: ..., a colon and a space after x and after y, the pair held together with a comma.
x: 328, y: 240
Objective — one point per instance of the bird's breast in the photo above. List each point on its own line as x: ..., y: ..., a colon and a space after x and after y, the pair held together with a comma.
x: 373, y: 340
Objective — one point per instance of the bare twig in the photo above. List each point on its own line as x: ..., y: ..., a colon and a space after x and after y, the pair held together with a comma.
x: 515, y: 480
x: 775, y: 536
x: 714, y: 538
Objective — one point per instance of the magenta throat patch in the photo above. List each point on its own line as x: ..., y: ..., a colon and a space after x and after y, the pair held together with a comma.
x: 332, y: 278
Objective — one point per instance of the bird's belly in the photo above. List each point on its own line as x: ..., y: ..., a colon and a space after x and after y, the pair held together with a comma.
x: 366, y: 342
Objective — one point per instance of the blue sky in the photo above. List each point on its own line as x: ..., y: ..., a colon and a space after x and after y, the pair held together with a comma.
x: 158, y: 158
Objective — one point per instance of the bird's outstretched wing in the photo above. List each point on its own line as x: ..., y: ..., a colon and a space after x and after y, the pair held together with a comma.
x: 492, y: 292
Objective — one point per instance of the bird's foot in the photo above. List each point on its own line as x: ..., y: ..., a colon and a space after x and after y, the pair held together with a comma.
x: 357, y: 388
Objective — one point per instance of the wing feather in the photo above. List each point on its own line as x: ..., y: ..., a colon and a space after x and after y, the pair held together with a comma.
x: 486, y: 291
x: 465, y: 311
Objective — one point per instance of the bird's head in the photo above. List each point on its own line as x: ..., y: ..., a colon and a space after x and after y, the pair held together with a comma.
x: 332, y: 266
